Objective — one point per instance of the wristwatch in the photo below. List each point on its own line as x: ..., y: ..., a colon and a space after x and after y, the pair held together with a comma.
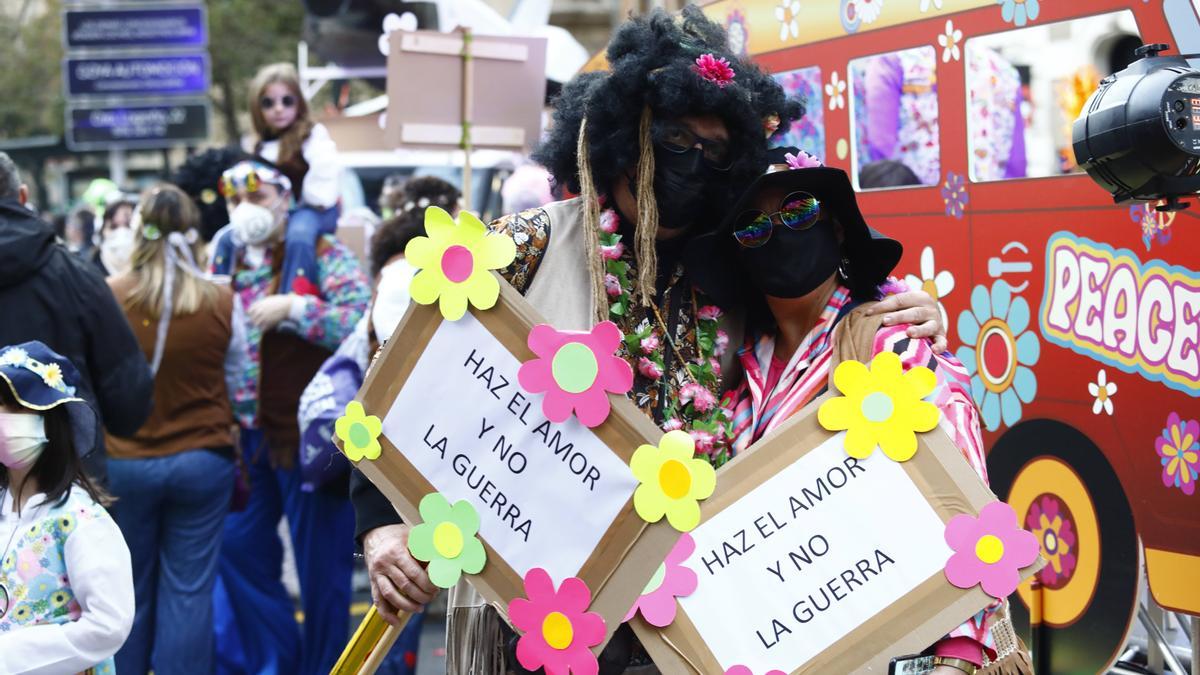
x: 958, y: 664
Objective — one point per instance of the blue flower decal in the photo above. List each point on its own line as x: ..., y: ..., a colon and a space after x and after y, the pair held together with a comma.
x: 1019, y: 12
x: 954, y: 195
x: 998, y: 351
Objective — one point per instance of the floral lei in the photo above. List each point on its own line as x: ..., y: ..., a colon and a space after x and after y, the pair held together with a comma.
x: 695, y: 409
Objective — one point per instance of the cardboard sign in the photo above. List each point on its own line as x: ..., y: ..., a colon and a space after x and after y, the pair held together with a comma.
x: 425, y: 81
x: 551, y: 495
x: 810, y: 561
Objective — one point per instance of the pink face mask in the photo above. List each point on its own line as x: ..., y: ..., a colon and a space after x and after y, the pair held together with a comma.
x: 22, y: 439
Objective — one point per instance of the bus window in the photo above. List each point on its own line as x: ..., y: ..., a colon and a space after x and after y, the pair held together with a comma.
x: 807, y: 133
x: 895, y: 119
x: 1026, y: 87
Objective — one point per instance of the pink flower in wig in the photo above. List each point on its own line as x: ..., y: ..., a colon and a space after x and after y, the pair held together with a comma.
x: 989, y: 550
x: 557, y: 630
x: 709, y: 313
x: 714, y: 69
x: 613, y: 252
x: 650, y: 344
x: 609, y: 222
x: 612, y: 285
x: 673, y: 424
x: 716, y: 366
x: 802, y: 161
x: 577, y: 370
x: 722, y: 344
x: 671, y: 580
x: 649, y: 369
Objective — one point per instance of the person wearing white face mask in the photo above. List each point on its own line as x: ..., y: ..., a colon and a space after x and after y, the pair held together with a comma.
x: 112, y: 256
x: 66, y: 585
x: 290, y: 334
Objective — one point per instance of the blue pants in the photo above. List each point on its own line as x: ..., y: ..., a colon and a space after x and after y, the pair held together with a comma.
x: 305, y: 225
x: 171, y: 510
x: 256, y: 620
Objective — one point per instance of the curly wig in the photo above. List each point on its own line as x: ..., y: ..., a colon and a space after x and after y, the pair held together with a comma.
x: 660, y: 67
x: 651, y: 63
x: 200, y: 178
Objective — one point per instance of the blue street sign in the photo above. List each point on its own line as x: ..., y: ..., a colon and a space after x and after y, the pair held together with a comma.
x: 170, y: 26
x: 103, y: 127
x: 183, y: 75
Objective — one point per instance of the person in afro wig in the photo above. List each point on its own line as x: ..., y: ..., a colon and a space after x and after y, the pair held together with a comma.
x: 200, y: 177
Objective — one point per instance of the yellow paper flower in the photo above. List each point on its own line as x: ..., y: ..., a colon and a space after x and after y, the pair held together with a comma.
x: 673, y: 481
x: 359, y: 433
x: 454, y: 262
x: 881, y: 406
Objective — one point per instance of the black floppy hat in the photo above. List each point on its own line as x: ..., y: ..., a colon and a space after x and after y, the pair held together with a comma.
x: 711, y: 257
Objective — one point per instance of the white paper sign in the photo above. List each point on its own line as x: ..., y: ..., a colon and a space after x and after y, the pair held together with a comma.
x: 546, y: 493
x: 813, y: 552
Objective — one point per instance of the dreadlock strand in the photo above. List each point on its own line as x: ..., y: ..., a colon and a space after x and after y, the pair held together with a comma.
x: 591, y: 224
x: 647, y: 225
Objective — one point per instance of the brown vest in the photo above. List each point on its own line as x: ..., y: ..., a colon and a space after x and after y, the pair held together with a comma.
x: 295, y: 168
x: 191, y: 401
x: 288, y: 363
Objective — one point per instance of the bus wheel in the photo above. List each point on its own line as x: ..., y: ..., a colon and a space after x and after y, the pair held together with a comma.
x: 1077, y: 617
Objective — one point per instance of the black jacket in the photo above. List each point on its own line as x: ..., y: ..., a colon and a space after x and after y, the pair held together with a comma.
x: 48, y: 294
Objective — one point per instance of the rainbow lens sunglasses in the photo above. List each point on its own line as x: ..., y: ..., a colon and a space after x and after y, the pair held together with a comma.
x: 798, y: 211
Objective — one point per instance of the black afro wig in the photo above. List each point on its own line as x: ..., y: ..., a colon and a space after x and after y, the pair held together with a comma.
x: 651, y: 63
x: 200, y: 178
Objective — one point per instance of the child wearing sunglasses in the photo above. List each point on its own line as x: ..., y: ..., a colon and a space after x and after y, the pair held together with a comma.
x: 66, y: 584
x: 307, y: 155
x: 797, y: 252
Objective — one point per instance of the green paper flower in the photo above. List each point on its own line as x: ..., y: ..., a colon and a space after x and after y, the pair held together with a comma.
x: 359, y: 433
x: 446, y: 540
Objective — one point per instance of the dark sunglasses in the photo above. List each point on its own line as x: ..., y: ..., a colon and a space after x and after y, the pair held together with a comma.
x: 3, y: 601
x: 678, y: 139
x: 287, y: 101
x: 798, y: 211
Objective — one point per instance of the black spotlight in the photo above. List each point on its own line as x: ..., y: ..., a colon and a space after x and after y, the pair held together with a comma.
x: 1139, y: 134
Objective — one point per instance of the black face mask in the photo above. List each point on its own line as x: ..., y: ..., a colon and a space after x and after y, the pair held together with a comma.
x: 683, y: 187
x: 793, y: 264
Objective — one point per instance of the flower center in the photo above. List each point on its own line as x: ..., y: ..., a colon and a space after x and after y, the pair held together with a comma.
x: 674, y: 479
x: 448, y: 540
x: 930, y: 287
x: 1102, y: 395
x: 557, y: 631
x: 989, y: 548
x: 457, y: 264
x: 1050, y: 541
x: 877, y: 407
x: 655, y: 581
x: 359, y: 436
x: 574, y: 368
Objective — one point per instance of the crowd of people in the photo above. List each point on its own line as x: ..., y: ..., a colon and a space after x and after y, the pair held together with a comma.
x: 172, y: 383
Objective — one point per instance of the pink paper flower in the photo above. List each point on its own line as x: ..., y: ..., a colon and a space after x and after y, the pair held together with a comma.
x: 802, y: 161
x: 650, y: 344
x: 989, y: 550
x: 671, y: 580
x: 713, y: 69
x: 649, y: 369
x: 745, y: 670
x: 709, y: 313
x: 673, y: 424
x: 716, y: 366
x: 722, y: 343
x: 613, y: 252
x: 612, y: 285
x: 576, y: 370
x: 609, y: 222
x: 558, y: 631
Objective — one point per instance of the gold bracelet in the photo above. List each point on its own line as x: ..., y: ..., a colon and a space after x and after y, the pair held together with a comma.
x: 957, y: 664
